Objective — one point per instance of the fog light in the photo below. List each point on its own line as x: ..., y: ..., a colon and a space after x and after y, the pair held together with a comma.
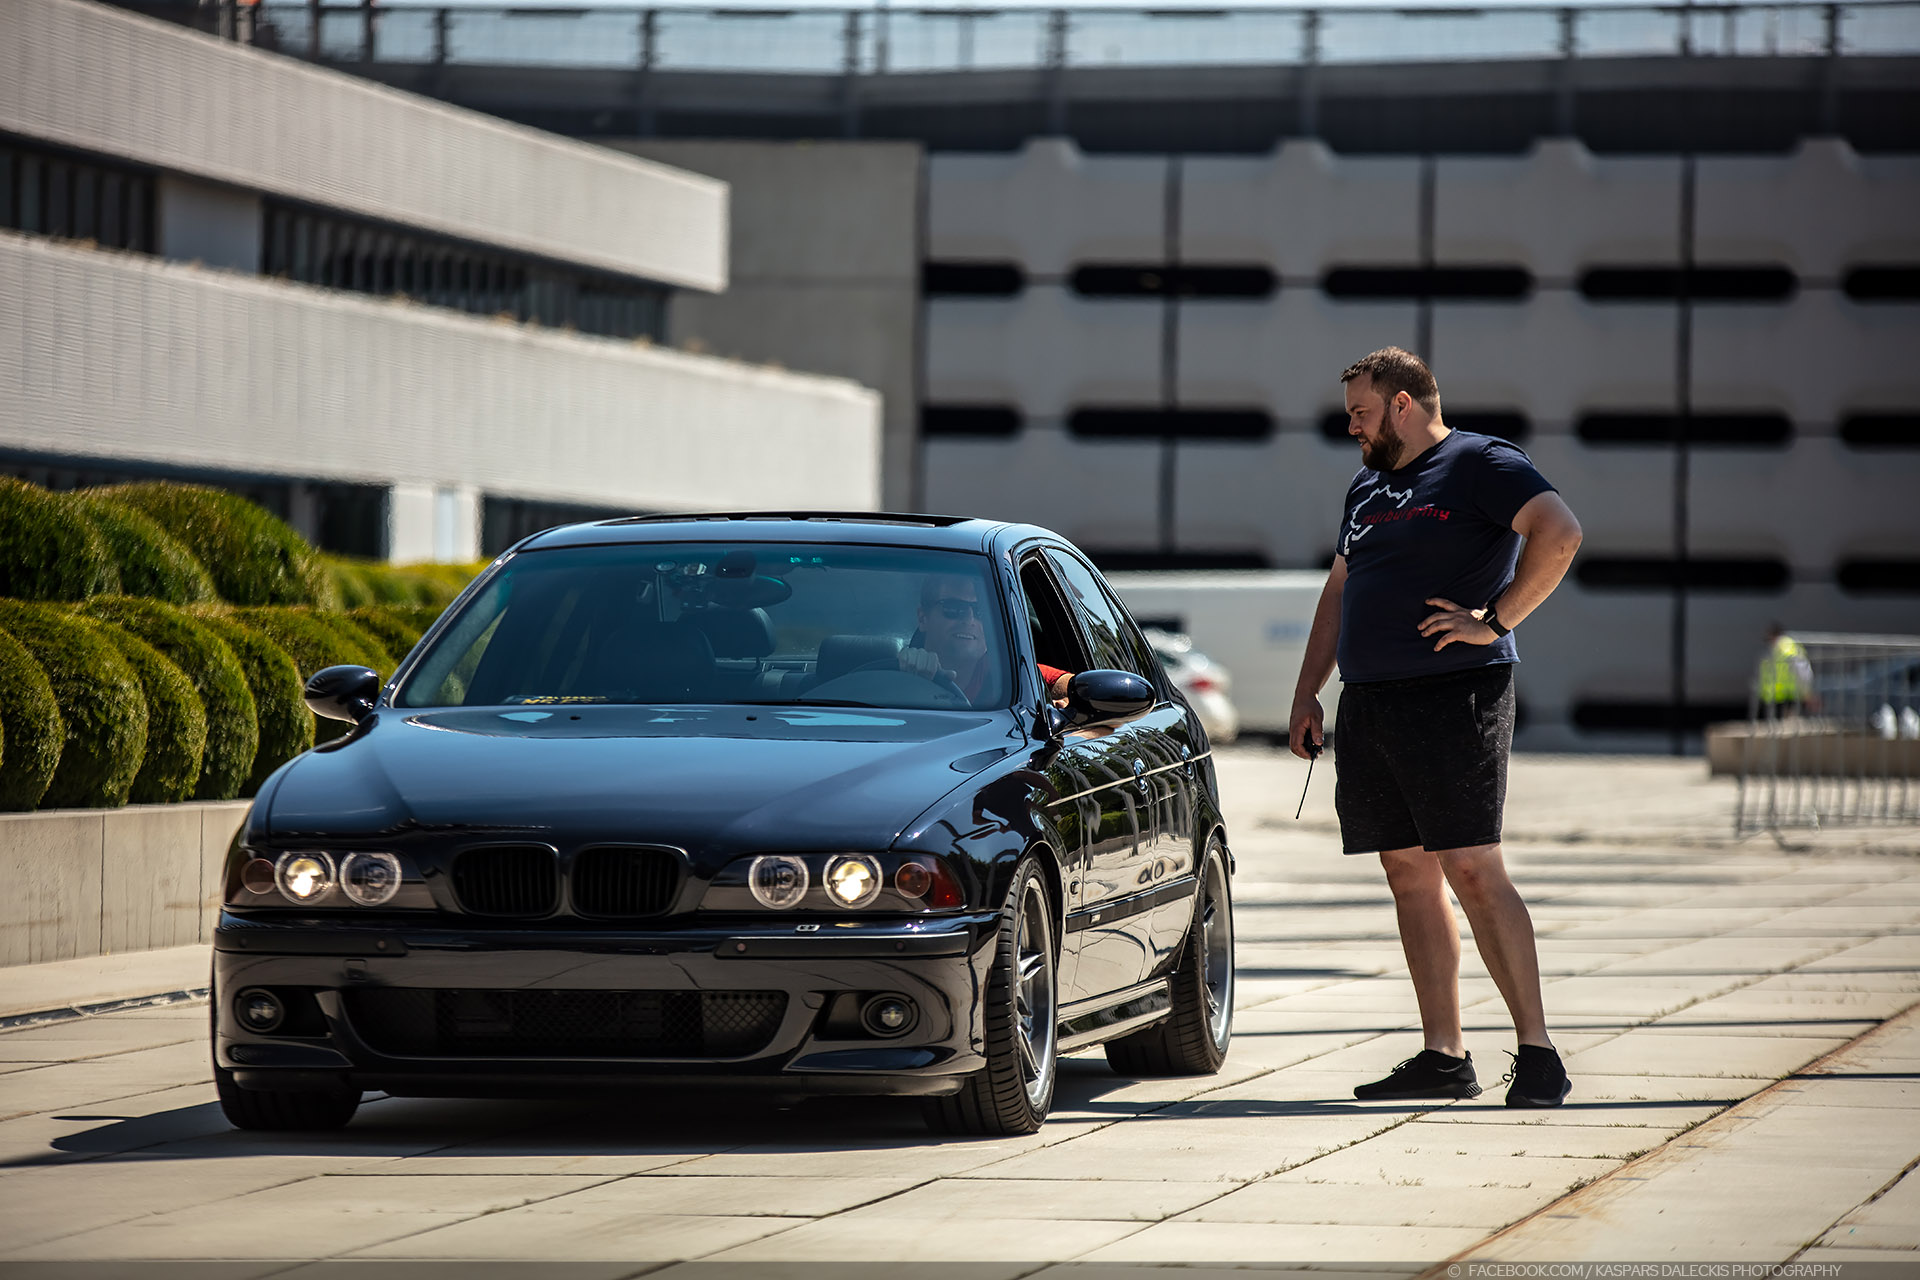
x: 304, y: 877
x: 257, y: 876
x: 888, y: 1015
x: 777, y: 880
x: 370, y: 878
x: 259, y: 1010
x: 853, y: 881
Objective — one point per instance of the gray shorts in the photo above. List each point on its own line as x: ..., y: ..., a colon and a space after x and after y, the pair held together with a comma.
x: 1423, y: 763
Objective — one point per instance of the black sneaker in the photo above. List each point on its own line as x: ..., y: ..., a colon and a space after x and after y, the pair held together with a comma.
x: 1538, y: 1078
x: 1427, y: 1074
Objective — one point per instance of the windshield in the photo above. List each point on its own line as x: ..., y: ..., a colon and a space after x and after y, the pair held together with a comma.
x: 724, y: 623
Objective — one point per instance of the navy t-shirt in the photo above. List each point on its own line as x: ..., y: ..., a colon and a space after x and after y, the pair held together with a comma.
x: 1440, y: 526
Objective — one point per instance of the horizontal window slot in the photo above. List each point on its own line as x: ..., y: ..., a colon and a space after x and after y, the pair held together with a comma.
x: 1445, y: 283
x: 1137, y: 561
x: 75, y: 197
x: 1507, y: 424
x: 1185, y: 424
x: 1879, y: 577
x: 1882, y: 431
x: 1654, y: 573
x: 1883, y: 284
x: 1765, y: 430
x: 971, y: 279
x: 969, y: 420
x: 1609, y: 716
x: 1126, y: 280
x: 1702, y: 284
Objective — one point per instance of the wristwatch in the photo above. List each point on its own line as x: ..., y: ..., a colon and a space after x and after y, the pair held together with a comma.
x: 1493, y: 622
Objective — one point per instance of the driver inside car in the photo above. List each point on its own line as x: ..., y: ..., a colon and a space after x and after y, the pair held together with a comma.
x: 951, y: 639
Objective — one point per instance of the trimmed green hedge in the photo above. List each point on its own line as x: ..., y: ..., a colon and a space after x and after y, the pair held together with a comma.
x: 233, y: 726
x: 150, y: 561
x: 285, y: 726
x: 176, y: 724
x: 49, y: 550
x: 255, y: 558
x: 392, y: 626
x: 101, y: 703
x: 31, y: 725
x: 369, y: 582
x: 313, y: 640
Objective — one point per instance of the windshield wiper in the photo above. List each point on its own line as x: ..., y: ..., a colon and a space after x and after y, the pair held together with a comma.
x: 822, y: 702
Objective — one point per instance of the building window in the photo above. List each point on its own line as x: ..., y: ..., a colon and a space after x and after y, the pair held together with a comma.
x: 75, y: 198
x: 325, y: 248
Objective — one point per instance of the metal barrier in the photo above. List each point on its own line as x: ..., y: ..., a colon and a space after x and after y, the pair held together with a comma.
x: 883, y: 41
x: 1832, y: 736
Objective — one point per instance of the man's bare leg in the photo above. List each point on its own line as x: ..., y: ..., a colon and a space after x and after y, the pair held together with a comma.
x: 1430, y: 937
x: 1503, y: 931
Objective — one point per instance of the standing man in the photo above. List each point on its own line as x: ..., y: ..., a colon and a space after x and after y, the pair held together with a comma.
x: 1429, y: 580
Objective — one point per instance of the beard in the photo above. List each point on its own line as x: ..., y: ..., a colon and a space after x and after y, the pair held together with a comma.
x: 1384, y: 456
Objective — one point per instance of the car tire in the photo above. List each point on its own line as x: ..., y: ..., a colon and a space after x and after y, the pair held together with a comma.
x: 308, y: 1110
x: 1013, y: 1093
x: 1193, y: 1039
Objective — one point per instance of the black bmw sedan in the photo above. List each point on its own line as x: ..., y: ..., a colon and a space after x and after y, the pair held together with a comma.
x: 806, y: 802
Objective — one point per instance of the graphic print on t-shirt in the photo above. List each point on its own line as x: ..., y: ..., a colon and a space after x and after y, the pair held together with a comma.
x: 1357, y: 527
x: 1439, y: 527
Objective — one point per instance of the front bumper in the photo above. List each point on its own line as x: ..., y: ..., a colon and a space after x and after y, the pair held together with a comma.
x: 483, y: 1012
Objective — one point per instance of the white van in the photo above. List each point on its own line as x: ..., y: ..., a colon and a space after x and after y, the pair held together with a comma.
x: 1253, y: 622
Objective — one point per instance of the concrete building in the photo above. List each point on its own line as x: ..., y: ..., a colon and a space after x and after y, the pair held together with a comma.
x: 1675, y: 254
x: 416, y: 331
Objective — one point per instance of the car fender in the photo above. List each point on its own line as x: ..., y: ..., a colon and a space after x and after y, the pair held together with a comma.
x: 984, y: 827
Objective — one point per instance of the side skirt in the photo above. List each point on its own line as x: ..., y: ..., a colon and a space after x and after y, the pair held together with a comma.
x: 1088, y: 1022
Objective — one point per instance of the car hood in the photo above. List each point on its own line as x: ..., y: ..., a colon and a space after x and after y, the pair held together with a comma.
x: 725, y: 777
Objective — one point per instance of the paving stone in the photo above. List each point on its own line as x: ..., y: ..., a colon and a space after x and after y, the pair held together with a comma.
x: 985, y: 1200
x: 1487, y: 1208
x: 1259, y: 1242
x: 911, y: 1240
x: 604, y: 1235
x: 1462, y: 1136
x: 1399, y: 1161
x: 122, y: 1075
x: 1676, y: 1053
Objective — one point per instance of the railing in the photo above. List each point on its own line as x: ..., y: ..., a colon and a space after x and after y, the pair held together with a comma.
x: 1832, y: 738
x: 884, y: 41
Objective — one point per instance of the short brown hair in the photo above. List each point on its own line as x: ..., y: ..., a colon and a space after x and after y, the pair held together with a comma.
x: 1393, y: 370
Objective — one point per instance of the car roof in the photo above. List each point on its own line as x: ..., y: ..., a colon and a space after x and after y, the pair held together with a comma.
x: 871, y: 528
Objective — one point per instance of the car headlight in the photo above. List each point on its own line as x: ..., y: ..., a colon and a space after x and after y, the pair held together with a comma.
x: 778, y: 880
x: 370, y: 879
x: 304, y: 876
x: 853, y: 880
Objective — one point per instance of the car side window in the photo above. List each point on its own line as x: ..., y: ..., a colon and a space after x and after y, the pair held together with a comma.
x: 1055, y: 642
x: 1110, y: 643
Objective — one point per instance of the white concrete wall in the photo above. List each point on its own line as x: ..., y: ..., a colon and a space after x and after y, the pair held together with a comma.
x: 1558, y: 210
x: 1300, y: 210
x: 1820, y: 211
x: 88, y: 76
x: 824, y: 249
x: 89, y: 882
x: 1554, y: 357
x: 1047, y: 208
x: 115, y: 356
x: 214, y: 226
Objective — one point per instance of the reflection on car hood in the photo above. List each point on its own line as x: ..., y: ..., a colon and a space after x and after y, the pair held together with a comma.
x: 725, y: 777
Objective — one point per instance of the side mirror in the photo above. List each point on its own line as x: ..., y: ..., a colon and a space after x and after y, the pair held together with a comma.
x: 1107, y: 698
x: 343, y: 693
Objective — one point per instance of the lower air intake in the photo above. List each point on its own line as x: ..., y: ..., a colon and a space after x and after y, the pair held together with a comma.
x: 565, y: 1024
